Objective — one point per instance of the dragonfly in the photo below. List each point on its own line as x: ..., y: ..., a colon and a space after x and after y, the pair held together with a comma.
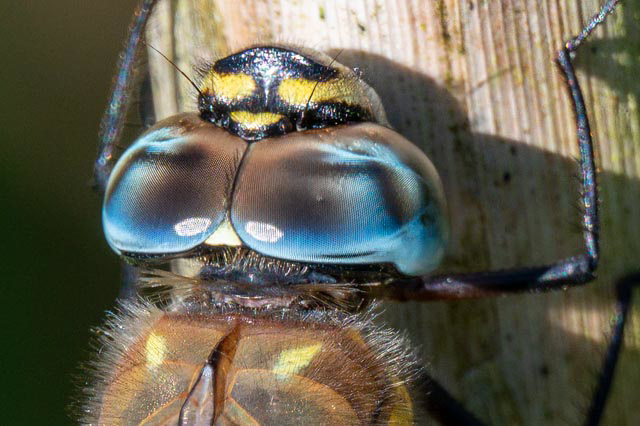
x: 258, y: 230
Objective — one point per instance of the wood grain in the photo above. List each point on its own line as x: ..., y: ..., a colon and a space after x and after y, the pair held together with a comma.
x: 473, y: 84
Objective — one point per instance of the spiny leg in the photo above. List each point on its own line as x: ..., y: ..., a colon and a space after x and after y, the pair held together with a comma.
x: 447, y: 410
x: 113, y: 118
x: 624, y: 290
x: 574, y: 270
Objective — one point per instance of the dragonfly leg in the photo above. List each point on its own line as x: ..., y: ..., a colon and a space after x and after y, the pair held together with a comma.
x: 570, y: 271
x: 624, y: 293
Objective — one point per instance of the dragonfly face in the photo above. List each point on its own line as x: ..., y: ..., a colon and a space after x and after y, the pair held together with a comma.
x: 288, y: 158
x: 282, y: 194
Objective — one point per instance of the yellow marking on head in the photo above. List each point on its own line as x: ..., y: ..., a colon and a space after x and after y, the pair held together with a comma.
x: 228, y: 86
x: 293, y: 360
x: 296, y: 91
x: 155, y: 350
x: 252, y: 120
x: 225, y: 235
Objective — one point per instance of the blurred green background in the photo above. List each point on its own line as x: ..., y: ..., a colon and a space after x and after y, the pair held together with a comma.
x: 59, y: 275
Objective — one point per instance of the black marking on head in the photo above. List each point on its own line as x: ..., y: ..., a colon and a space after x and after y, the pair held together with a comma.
x: 252, y: 81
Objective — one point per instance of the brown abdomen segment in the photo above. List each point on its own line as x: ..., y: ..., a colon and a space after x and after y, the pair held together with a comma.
x: 243, y: 369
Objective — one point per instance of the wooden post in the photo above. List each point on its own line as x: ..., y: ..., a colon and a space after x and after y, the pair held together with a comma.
x: 473, y: 83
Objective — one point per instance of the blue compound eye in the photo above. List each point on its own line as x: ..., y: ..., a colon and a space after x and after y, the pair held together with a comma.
x: 356, y: 194
x: 344, y: 195
x: 171, y: 189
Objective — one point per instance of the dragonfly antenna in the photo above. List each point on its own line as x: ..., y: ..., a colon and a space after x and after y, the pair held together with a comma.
x: 306, y: 108
x: 195, y: 86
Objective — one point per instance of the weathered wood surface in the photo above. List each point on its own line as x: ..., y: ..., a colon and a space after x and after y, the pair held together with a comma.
x: 474, y: 85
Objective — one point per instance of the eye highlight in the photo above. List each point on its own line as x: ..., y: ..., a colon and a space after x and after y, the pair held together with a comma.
x: 170, y: 191
x: 354, y: 194
x: 349, y: 193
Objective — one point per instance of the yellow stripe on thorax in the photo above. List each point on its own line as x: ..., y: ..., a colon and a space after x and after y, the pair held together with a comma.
x: 251, y: 120
x: 228, y: 86
x: 155, y: 350
x: 299, y: 91
x: 402, y: 411
x: 291, y: 361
